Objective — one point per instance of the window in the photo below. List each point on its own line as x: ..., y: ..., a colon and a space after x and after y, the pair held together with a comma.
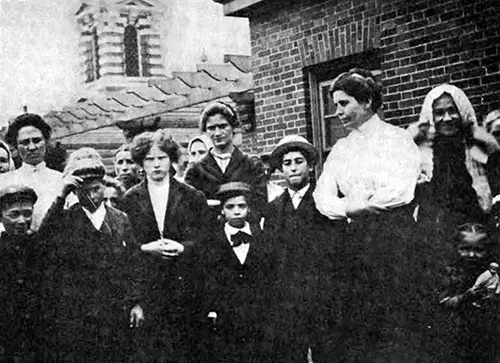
x: 93, y: 58
x: 131, y: 52
x: 326, y: 128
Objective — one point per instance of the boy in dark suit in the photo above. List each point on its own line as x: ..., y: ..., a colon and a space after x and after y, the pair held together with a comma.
x: 238, y: 266
x: 304, y: 240
x: 21, y: 276
x: 93, y: 255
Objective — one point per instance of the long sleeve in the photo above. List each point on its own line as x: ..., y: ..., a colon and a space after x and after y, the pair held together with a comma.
x: 326, y: 194
x: 397, y: 187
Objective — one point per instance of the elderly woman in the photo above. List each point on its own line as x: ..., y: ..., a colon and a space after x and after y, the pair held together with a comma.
x: 492, y: 124
x: 198, y: 148
x: 457, y: 156
x: 369, y: 178
x: 6, y: 162
x: 168, y: 219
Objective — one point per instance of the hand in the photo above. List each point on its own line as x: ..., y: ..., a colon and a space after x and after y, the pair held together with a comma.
x: 485, y: 139
x: 164, y: 248
x: 362, y: 205
x: 136, y: 317
x: 173, y: 248
x: 70, y: 183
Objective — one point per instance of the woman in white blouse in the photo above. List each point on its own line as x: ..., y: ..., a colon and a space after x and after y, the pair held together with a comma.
x: 369, y: 179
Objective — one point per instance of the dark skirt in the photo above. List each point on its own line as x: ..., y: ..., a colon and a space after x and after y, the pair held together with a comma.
x: 387, y: 281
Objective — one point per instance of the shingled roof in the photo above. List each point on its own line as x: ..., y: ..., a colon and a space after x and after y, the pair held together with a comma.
x: 178, y: 100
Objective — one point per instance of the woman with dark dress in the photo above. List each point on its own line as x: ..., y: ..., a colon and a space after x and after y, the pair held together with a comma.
x: 458, y: 158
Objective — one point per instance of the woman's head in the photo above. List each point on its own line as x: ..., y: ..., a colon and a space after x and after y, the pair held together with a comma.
x: 219, y: 120
x: 155, y: 152
x: 6, y: 162
x: 361, y: 85
x: 218, y: 108
x: 198, y: 147
x: 446, y: 112
x: 492, y: 123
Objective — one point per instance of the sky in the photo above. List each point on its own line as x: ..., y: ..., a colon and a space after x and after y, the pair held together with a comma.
x: 39, y: 48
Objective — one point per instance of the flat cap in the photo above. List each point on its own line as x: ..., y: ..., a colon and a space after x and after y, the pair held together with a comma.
x: 88, y: 169
x: 13, y: 193
x: 232, y: 189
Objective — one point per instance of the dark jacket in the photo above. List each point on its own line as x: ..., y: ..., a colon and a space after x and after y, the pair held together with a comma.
x: 170, y: 293
x: 184, y: 223
x: 21, y: 300
x: 207, y: 177
x: 239, y: 294
x: 92, y: 283
x: 307, y: 244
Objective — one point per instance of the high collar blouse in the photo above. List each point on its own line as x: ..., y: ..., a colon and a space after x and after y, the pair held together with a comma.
x: 46, y: 183
x: 378, y: 162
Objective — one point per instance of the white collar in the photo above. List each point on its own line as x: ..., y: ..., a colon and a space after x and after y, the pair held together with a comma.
x: 96, y: 217
x: 371, y: 124
x: 39, y: 167
x: 301, y: 191
x: 230, y: 230
x: 221, y: 156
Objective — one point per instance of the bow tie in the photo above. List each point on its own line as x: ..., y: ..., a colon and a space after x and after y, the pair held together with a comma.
x: 240, y: 238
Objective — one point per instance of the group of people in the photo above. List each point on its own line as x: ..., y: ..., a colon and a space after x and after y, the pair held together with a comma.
x: 390, y: 256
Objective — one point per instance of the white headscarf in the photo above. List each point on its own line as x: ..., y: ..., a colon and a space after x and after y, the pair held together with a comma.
x: 9, y: 155
x: 475, y: 158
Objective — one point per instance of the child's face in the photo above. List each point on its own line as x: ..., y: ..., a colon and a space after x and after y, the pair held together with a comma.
x: 16, y: 217
x: 472, y: 251
x: 295, y: 169
x: 235, y: 211
x: 91, y: 194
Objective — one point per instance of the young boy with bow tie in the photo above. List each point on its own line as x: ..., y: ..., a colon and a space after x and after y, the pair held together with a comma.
x: 238, y: 264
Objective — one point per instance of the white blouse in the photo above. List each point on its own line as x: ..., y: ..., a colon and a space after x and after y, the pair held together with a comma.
x: 46, y: 183
x: 378, y: 163
x: 158, y: 194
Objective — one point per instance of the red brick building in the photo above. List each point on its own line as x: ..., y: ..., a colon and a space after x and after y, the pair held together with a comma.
x: 298, y: 47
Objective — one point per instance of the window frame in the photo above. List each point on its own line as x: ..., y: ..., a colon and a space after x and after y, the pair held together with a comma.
x: 322, y: 74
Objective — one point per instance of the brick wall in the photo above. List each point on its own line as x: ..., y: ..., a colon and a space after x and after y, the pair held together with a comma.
x: 420, y: 44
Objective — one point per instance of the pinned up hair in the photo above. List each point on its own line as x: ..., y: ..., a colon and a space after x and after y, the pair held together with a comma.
x: 27, y: 119
x: 360, y: 84
x: 218, y: 108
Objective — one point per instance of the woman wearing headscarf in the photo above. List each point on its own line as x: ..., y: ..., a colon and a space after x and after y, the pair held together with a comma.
x: 198, y: 147
x: 492, y: 124
x: 6, y: 162
x: 454, y: 187
x: 369, y: 179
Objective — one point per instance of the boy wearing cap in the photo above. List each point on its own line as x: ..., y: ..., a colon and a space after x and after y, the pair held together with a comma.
x: 238, y: 265
x: 21, y: 258
x: 30, y: 134
x: 94, y: 253
x: 305, y: 241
